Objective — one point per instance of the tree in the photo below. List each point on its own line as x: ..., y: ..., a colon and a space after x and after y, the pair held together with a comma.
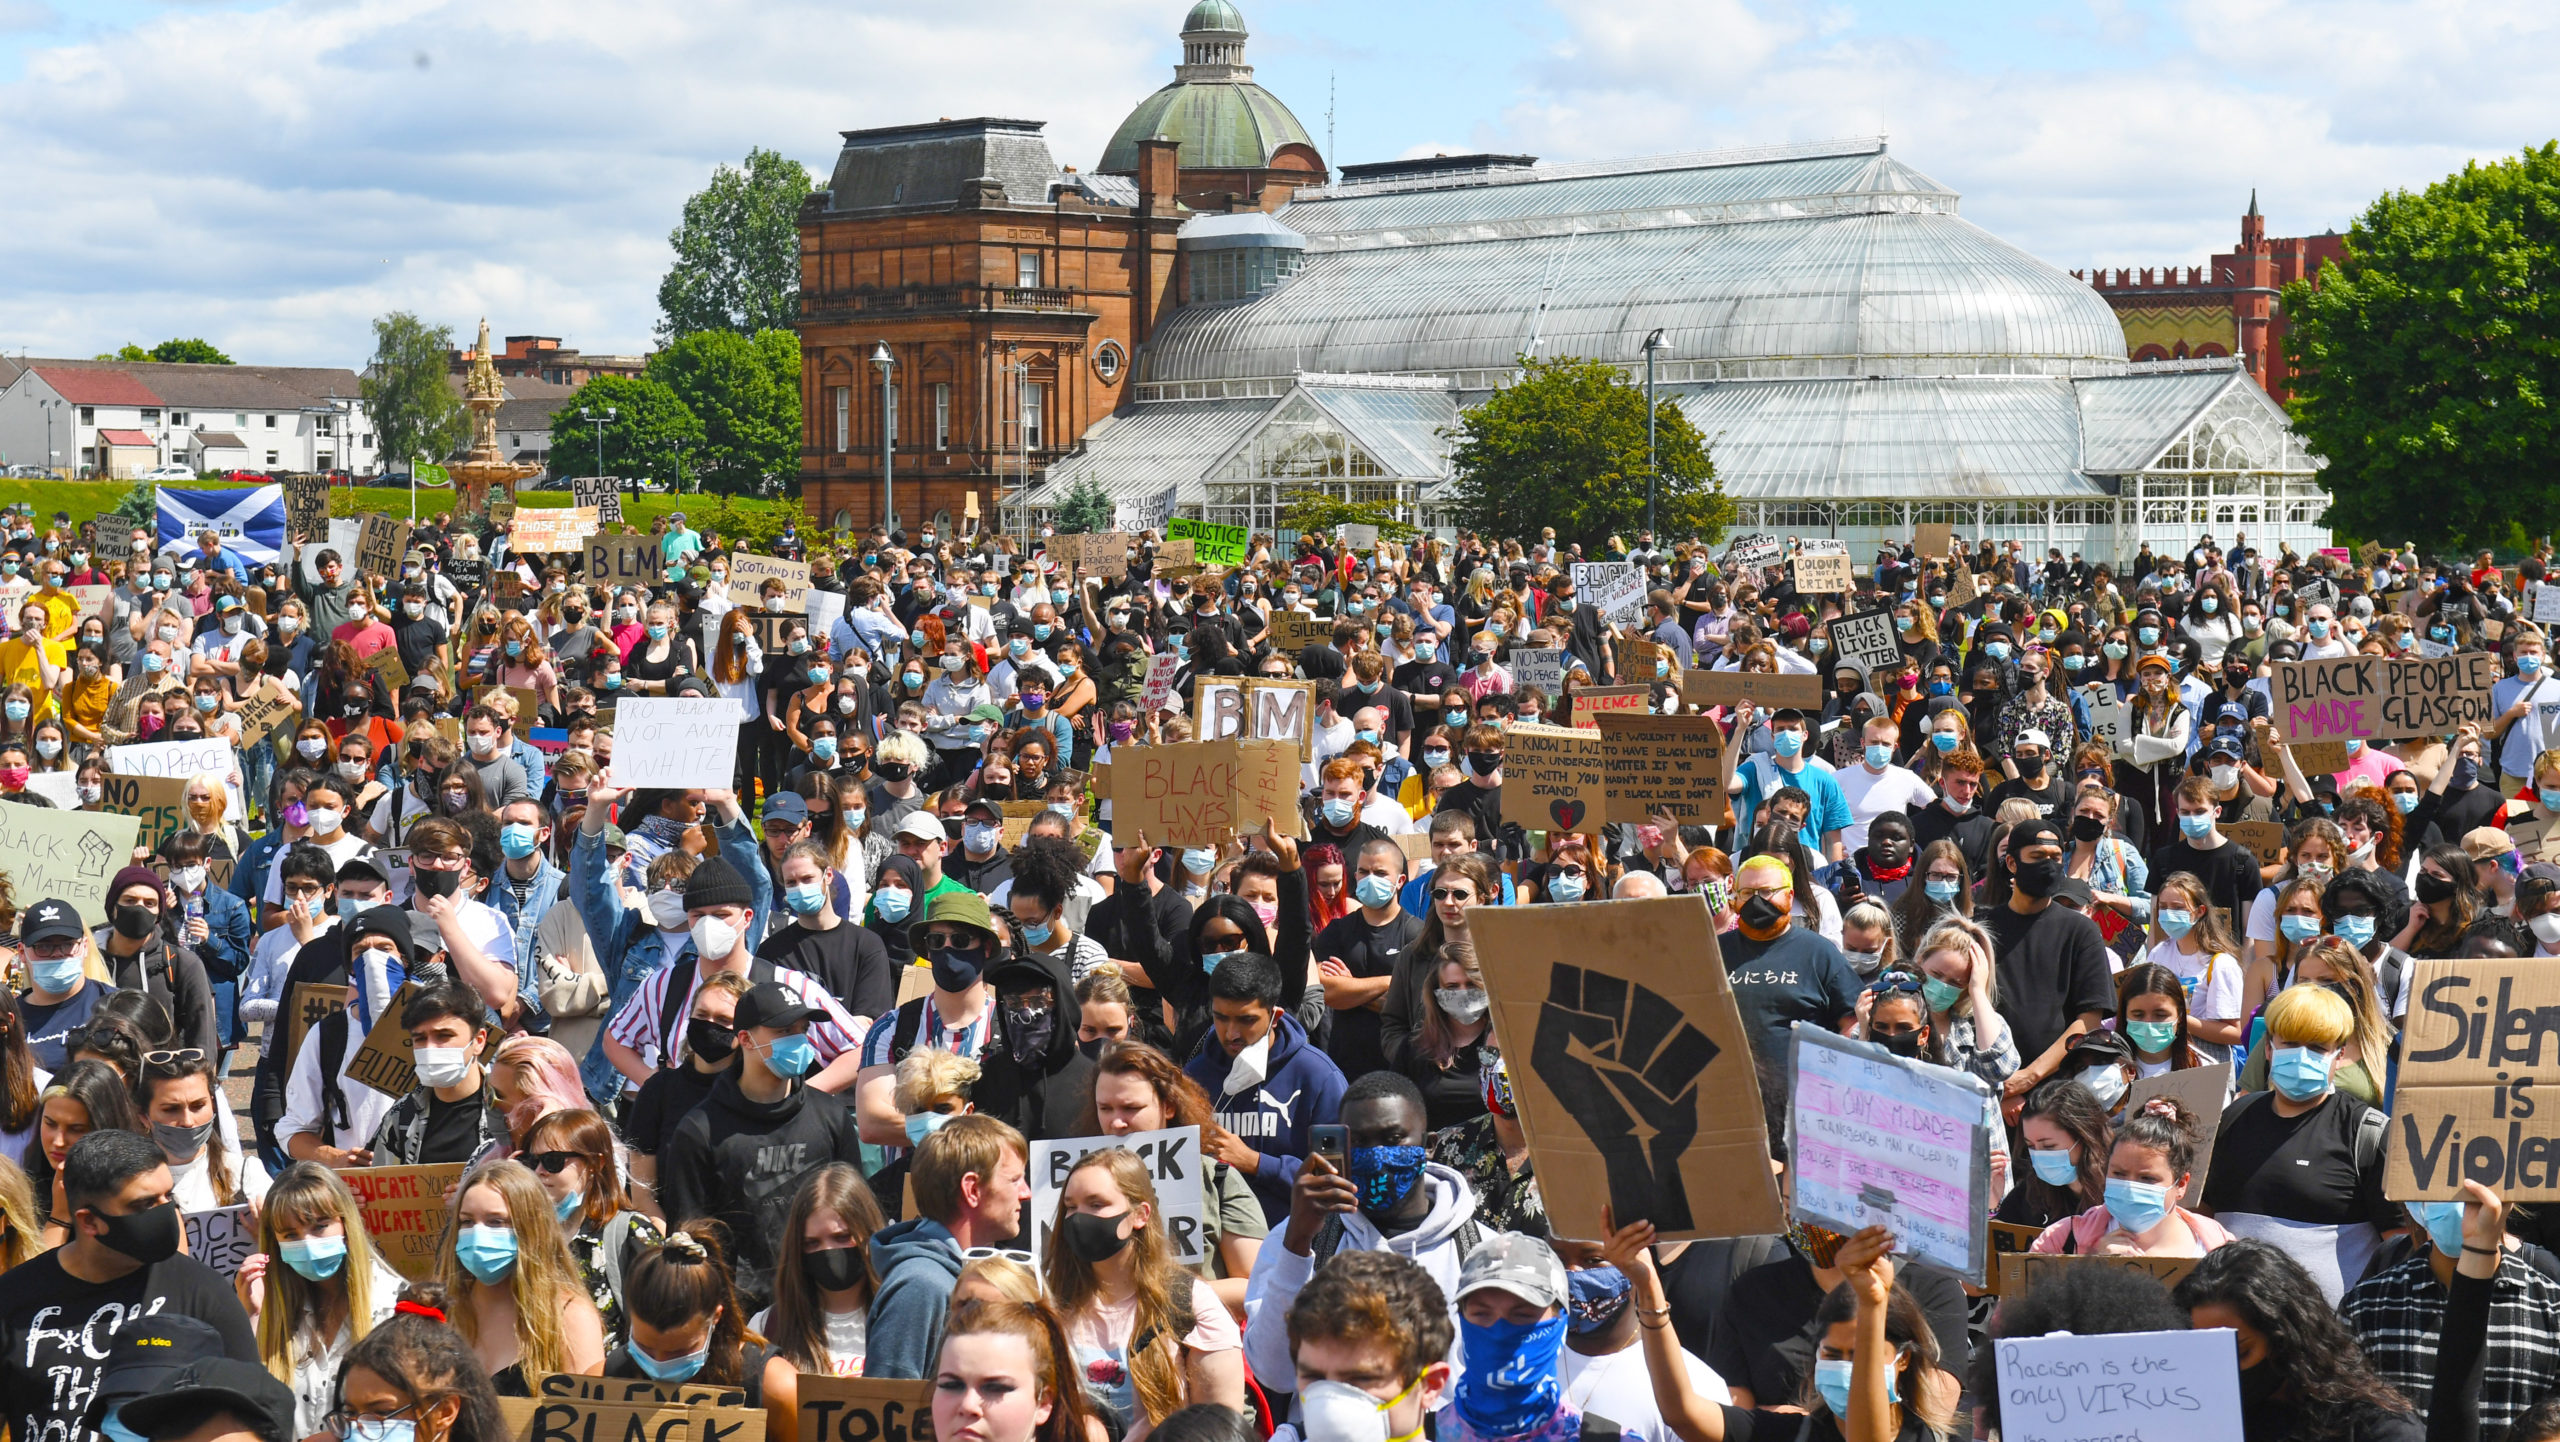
x: 737, y: 251
x: 1564, y: 446
x: 745, y: 393
x: 126, y: 352
x: 1316, y: 511
x: 189, y: 352
x: 1087, y: 508
x: 415, y: 411
x: 651, y: 432
x: 2431, y: 359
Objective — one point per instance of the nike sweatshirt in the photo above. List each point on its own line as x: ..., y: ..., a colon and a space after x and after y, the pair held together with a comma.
x: 741, y: 1161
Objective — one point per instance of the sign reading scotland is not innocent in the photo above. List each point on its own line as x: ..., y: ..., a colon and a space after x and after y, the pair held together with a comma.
x: 676, y: 742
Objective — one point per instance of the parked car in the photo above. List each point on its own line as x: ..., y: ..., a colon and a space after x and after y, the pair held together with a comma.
x: 25, y: 473
x: 167, y: 473
x: 255, y: 478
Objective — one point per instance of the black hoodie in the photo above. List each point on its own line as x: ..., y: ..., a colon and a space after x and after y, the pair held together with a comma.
x: 1043, y: 1095
x: 740, y: 1161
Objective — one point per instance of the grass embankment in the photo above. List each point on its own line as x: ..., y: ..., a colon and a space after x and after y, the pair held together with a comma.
x: 736, y: 518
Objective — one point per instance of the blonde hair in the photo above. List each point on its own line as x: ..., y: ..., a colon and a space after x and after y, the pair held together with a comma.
x: 970, y: 1145
x: 928, y: 1074
x: 307, y: 1195
x: 1956, y: 933
x: 2310, y: 1015
x: 21, y: 1235
x: 545, y: 1282
x: 1007, y: 1277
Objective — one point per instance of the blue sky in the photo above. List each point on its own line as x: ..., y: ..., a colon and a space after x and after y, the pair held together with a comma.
x: 271, y: 174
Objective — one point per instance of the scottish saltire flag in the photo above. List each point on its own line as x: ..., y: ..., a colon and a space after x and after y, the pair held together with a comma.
x: 249, y: 522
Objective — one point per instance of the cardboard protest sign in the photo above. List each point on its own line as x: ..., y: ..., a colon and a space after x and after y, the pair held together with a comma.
x: 386, y: 668
x: 865, y: 1409
x: 1294, y: 631
x: 222, y: 1237
x: 545, y: 532
x: 158, y: 803
x: 1102, y: 553
x: 383, y: 1061
x: 1590, y: 703
x: 1933, y: 538
x: 1268, y: 781
x: 623, y: 559
x: 2201, y: 1090
x: 1630, y: 1066
x: 1637, y: 657
x: 2008, y: 1240
x: 1162, y: 670
x: 1211, y: 544
x: 1866, y: 641
x: 1255, y: 709
x: 1662, y: 763
x: 1179, y: 795
x: 267, y: 708
x: 1820, y: 574
x: 340, y: 542
x: 1174, y: 1164
x: 1962, y: 588
x: 405, y: 1213
x: 600, y: 494
x: 1768, y: 690
x: 2380, y: 698
x: 65, y: 855
x: 2063, y: 1388
x: 381, y: 542
x: 311, y: 1002
x: 1553, y: 779
x: 185, y: 760
x: 633, y: 1389
x: 677, y: 742
x: 1541, y: 667
x: 2265, y: 839
x: 1174, y: 560
x: 306, y: 503
x: 748, y: 573
x: 99, y: 601
x: 2532, y: 834
x: 578, y: 1419
x: 1616, y: 587
x: 1879, y: 1139
x: 1759, y: 549
x: 2481, y: 1036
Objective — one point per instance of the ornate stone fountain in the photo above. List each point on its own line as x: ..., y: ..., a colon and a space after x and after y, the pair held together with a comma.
x: 484, y: 467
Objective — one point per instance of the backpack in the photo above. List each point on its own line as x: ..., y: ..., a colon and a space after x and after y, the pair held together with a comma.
x: 333, y: 1054
x: 671, y: 1007
x: 2372, y: 1128
x: 611, y: 1248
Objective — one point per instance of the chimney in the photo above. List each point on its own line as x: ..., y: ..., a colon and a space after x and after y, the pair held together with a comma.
x: 1158, y: 170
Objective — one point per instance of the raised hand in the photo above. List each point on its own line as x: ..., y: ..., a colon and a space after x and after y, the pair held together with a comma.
x: 1625, y: 1064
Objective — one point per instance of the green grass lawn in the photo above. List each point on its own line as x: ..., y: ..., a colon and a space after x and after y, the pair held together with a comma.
x: 732, y: 516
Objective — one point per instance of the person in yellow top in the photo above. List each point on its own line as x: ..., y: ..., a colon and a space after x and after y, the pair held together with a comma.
x: 62, y: 609
x: 84, y: 697
x: 34, y: 655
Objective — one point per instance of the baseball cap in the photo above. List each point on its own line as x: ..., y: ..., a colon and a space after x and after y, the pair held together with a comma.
x: 147, y: 1356
x: 2230, y: 713
x: 2223, y: 746
x: 217, y: 1384
x: 50, y: 921
x: 768, y: 1004
x: 922, y: 826
x: 363, y: 868
x: 2036, y: 738
x: 980, y: 808
x: 1524, y: 1266
x: 787, y: 807
x: 2486, y: 843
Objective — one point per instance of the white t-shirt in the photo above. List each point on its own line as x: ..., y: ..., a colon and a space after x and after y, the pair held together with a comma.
x: 1870, y: 795
x: 2213, y: 989
x: 1616, y: 1387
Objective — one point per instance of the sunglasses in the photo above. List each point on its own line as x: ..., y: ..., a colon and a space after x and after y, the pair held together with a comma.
x: 949, y: 941
x: 1893, y: 982
x: 553, y: 1162
x: 1451, y: 893
x: 187, y: 1056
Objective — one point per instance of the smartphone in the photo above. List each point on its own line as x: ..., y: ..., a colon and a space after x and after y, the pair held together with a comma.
x: 1328, y: 1144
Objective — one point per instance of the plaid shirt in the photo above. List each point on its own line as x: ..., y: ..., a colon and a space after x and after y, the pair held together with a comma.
x: 2397, y: 1315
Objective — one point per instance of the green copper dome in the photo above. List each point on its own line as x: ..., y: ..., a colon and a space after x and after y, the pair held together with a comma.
x: 1223, y: 119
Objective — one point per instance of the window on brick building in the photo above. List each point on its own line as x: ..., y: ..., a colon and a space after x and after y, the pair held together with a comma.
x: 942, y: 415
x: 1026, y: 269
x: 844, y: 418
x: 1031, y: 409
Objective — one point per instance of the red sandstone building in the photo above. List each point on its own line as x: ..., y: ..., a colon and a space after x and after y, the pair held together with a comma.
x: 2230, y: 306
x: 1007, y: 294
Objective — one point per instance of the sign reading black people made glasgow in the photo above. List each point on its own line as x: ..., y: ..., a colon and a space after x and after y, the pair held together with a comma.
x: 1630, y: 1067
x: 2380, y: 698
x: 2479, y: 1076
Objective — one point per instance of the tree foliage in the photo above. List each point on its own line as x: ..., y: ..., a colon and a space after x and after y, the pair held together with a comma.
x: 126, y: 352
x: 648, y: 429
x: 191, y: 351
x: 2431, y: 358
x: 415, y: 412
x: 745, y: 393
x: 1086, y: 509
x: 737, y: 251
x: 1564, y: 446
x: 1316, y: 511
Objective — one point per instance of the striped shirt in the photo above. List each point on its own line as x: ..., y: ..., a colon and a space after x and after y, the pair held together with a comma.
x: 2397, y: 1315
x: 636, y: 1026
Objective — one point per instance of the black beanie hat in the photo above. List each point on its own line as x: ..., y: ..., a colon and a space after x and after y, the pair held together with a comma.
x: 716, y: 883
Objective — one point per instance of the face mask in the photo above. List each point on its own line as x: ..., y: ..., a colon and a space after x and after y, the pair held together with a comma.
x: 666, y: 908
x: 1831, y: 1380
x: 56, y: 977
x: 2106, y: 1081
x: 925, y: 1124
x: 2528, y: 662
x: 1941, y: 996
x: 2433, y: 889
x: 2225, y: 778
x: 133, y: 923
x: 710, y: 1040
x: 2136, y: 1206
x: 1465, y: 1005
x: 1199, y: 860
x: 837, y: 1269
x: 1941, y: 889
x: 1512, y: 1381
x: 956, y: 971
x: 790, y: 1056
x: 892, y: 903
x: 2175, y: 921
x: 518, y: 840
x: 1760, y: 914
x: 181, y: 1144
x: 441, y: 1066
x: 91, y: 795
x: 2300, y: 1072
x: 2319, y: 629
x: 1566, y: 888
x: 1597, y: 1296
x: 148, y: 1236
x: 487, y: 1253
x: 1946, y: 740
x: 1094, y: 1238
x: 2197, y: 826
x: 2298, y: 929
x: 2443, y: 1221
x: 2151, y: 1037
x: 1339, y: 1412
x: 805, y: 898
x: 2114, y: 650
x: 1786, y: 743
x: 1879, y: 756
x: 2055, y: 1169
x: 2037, y: 879
x: 315, y: 1258
x: 714, y: 938
x: 1384, y: 1175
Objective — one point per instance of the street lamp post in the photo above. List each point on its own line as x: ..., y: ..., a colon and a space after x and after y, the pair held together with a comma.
x: 886, y: 364
x: 1654, y: 344
x: 1021, y: 371
x: 611, y: 414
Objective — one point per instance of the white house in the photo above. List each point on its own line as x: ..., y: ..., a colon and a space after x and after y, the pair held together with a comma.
x: 117, y: 419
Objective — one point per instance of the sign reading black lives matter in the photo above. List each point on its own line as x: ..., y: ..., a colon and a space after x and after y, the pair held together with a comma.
x: 1866, y: 641
x: 2479, y: 1076
x: 1630, y: 1067
x: 601, y: 492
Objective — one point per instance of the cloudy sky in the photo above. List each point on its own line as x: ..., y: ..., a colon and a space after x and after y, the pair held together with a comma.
x: 272, y: 175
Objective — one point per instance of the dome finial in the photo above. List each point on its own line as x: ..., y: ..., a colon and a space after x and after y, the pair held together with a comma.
x: 1213, y: 17
x: 1213, y: 37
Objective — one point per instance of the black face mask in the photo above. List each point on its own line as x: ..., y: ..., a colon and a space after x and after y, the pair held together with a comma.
x: 148, y: 1236
x: 1900, y: 1043
x: 2037, y: 879
x: 837, y: 1269
x: 1092, y: 1238
x: 710, y: 1040
x: 956, y: 971
x: 1027, y: 1032
x: 2087, y: 828
x: 2430, y: 887
x: 1760, y: 913
x: 893, y: 770
x: 436, y: 883
x: 134, y: 923
x: 1094, y: 1047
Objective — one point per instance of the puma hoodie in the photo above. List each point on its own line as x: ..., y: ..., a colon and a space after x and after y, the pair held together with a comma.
x: 1300, y: 1090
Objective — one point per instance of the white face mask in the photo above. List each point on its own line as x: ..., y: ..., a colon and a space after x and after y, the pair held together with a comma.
x: 1250, y: 1067
x: 2546, y: 928
x: 2107, y: 1082
x: 441, y: 1066
x: 325, y: 822
x: 1339, y: 1412
x: 667, y: 909
x: 714, y: 939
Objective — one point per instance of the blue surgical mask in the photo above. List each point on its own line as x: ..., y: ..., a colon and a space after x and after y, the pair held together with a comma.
x: 1338, y: 810
x: 1566, y: 888
x: 1996, y: 650
x: 1368, y: 734
x: 1879, y: 755
x: 1941, y: 889
x: 791, y: 1056
x: 2197, y: 825
x: 2151, y: 1037
x: 892, y: 903
x: 1831, y: 1379
x: 1038, y: 933
x: 2147, y: 635
x: 2443, y: 1221
x: 1940, y: 995
x: 2298, y: 929
x: 1786, y: 743
x: 1199, y: 860
x: 2136, y: 1206
x: 315, y: 1258
x: 1946, y: 740
x: 2355, y: 931
x: 823, y: 748
x: 925, y: 1124
x: 2300, y: 1072
x: 1435, y: 759
x: 487, y: 1253
x: 518, y: 840
x: 805, y: 898
x: 56, y: 976
x: 2055, y: 1169
x: 567, y: 1207
x: 112, y: 1427
x: 673, y: 1370
x: 2175, y: 920
x: 1374, y: 890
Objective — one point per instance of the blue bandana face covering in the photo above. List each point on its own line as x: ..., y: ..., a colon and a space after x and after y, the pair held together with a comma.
x: 1512, y: 1382
x: 1384, y: 1175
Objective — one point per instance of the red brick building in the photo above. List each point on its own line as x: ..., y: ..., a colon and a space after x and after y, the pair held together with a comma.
x: 2232, y: 305
x: 1009, y: 293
